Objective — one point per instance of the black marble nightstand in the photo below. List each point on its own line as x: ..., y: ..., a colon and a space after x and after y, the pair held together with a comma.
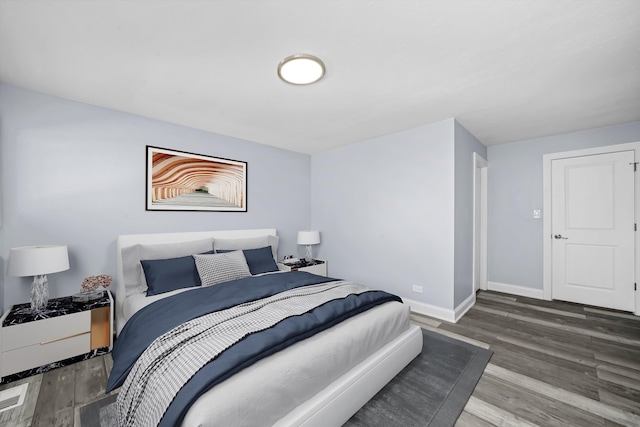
x: 64, y: 332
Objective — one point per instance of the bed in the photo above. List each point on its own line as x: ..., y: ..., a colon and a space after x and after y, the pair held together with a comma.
x: 321, y: 380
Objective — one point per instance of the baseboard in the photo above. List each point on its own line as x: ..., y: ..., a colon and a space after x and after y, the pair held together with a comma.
x: 441, y: 313
x: 464, y: 306
x: 522, y: 291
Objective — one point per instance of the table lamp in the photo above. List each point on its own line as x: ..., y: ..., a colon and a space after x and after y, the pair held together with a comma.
x: 38, y: 261
x: 308, y: 238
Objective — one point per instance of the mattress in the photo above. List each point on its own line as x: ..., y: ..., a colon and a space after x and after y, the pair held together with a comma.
x: 278, y: 384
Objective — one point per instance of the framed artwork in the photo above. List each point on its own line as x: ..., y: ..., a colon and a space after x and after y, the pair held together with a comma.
x: 180, y: 181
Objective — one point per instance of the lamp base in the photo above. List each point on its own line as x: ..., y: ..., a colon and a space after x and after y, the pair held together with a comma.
x: 309, y: 254
x: 39, y: 292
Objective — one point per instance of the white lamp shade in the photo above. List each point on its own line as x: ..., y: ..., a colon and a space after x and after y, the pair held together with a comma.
x: 308, y: 237
x: 36, y: 260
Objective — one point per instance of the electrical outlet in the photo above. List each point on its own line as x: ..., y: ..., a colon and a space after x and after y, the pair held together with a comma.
x: 417, y: 289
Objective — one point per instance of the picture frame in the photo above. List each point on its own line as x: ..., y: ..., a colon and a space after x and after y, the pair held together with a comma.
x: 182, y: 181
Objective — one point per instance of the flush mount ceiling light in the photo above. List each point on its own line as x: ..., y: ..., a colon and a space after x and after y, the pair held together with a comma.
x: 301, y: 69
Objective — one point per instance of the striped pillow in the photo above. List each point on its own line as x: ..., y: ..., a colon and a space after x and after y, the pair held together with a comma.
x: 218, y: 268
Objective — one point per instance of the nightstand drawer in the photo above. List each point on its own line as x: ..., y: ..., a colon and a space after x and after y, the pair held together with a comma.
x: 24, y: 358
x: 45, y: 331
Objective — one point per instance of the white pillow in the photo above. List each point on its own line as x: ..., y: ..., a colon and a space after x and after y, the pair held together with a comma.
x: 218, y: 268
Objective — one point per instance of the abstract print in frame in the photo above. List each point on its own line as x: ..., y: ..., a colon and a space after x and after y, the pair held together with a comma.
x: 181, y: 181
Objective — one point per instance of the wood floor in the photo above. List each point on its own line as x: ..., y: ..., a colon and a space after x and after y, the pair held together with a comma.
x: 554, y: 364
x: 54, y: 398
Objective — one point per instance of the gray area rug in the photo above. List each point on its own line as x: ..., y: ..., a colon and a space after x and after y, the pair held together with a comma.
x: 431, y: 391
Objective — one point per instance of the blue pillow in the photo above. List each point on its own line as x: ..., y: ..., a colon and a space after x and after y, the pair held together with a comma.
x: 165, y: 275
x: 259, y: 260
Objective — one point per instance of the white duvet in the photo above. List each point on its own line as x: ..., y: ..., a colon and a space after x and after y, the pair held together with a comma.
x: 263, y: 393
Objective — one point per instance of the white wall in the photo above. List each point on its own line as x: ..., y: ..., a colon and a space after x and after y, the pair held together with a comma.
x: 74, y: 174
x: 515, y: 239
x: 385, y: 209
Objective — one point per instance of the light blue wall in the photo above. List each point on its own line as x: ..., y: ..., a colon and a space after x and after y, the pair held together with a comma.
x: 74, y: 174
x: 385, y: 209
x: 515, y: 239
x: 393, y: 211
x: 465, y: 145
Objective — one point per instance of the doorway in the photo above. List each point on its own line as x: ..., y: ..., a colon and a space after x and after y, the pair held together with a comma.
x: 479, y: 223
x: 589, y: 226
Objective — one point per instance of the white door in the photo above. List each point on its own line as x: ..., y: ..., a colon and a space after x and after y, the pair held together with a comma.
x: 592, y: 203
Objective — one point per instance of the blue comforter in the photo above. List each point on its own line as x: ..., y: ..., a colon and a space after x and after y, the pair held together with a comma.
x: 161, y: 316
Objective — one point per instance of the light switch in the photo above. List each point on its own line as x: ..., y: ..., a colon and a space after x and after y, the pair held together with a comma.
x: 536, y: 213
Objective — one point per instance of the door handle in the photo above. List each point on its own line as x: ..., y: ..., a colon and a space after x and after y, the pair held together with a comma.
x: 559, y: 236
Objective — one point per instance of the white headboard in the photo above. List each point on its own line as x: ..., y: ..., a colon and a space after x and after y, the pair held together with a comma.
x: 127, y: 240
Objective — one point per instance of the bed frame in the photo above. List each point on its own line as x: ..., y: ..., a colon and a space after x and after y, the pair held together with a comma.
x: 337, y: 402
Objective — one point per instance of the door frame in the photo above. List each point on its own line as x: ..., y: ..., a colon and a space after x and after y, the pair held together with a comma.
x: 480, y: 191
x: 547, y: 281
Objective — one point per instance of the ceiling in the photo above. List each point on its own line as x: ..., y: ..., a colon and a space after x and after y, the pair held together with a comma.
x: 507, y: 70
